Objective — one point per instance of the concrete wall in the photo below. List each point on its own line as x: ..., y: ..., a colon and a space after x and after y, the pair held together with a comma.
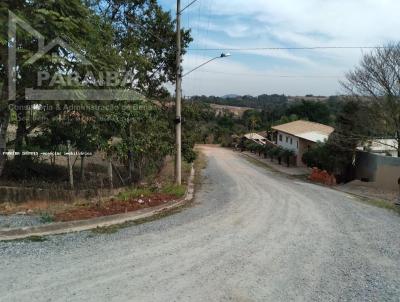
x: 384, y: 171
x: 304, y: 145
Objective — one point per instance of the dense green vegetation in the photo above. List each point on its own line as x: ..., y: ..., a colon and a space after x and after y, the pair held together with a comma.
x: 260, y: 102
x: 135, y: 40
x: 121, y: 40
x: 268, y: 109
x: 219, y: 128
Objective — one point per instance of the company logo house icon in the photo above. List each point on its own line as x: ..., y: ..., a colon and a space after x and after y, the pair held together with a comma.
x: 108, y: 85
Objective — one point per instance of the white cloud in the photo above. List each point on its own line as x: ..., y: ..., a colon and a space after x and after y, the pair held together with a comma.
x: 225, y: 76
x: 347, y: 21
x: 299, y: 23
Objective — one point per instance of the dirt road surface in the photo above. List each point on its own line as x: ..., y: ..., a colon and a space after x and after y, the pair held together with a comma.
x: 252, y: 235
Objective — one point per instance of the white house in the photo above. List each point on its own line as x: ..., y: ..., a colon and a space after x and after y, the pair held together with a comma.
x: 299, y: 136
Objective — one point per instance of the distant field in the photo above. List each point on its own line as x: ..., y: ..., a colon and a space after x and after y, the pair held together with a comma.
x: 307, y: 98
x: 237, y: 111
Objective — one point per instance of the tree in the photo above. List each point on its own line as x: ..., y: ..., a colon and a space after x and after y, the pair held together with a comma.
x: 377, y: 79
x: 287, y: 155
x: 252, y: 119
x: 313, y: 111
x: 338, y: 153
x: 71, y: 20
x: 320, y: 156
x: 126, y: 36
x: 144, y: 36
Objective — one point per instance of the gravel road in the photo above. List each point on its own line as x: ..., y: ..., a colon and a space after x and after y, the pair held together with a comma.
x: 252, y: 235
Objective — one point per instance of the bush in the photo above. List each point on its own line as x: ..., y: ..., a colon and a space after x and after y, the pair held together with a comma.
x: 273, y: 152
x: 259, y: 149
x: 29, y: 169
x: 189, y: 155
x: 287, y: 154
x: 176, y: 190
x: 251, y: 146
x: 46, y: 218
x: 226, y: 141
x: 320, y: 156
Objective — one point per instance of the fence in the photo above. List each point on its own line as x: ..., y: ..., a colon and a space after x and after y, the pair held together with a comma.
x: 384, y: 171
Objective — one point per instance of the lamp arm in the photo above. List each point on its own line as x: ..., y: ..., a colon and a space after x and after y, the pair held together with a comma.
x: 199, y: 66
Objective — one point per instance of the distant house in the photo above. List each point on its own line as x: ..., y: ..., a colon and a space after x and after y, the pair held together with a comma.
x: 255, y: 137
x: 381, y: 146
x: 299, y: 136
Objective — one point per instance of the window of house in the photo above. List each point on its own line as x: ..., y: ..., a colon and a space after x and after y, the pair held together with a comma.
x: 291, y: 141
x: 280, y: 137
x: 287, y: 139
x: 297, y: 144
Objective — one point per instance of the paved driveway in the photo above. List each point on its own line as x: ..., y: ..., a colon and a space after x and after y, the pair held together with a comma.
x: 252, y: 235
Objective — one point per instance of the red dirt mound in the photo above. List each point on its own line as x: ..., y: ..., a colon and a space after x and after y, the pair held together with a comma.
x: 113, y: 207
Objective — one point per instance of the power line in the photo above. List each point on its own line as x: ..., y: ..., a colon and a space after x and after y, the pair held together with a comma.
x: 288, y: 48
x: 187, y: 6
x: 273, y: 76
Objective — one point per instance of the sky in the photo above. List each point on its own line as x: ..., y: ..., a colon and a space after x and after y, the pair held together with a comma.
x: 220, y: 25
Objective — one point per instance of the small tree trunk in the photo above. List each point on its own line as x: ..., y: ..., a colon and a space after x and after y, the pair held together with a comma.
x: 110, y: 174
x: 70, y: 172
x: 130, y: 166
x: 4, y: 120
x: 21, y: 129
x: 83, y: 168
x: 4, y: 108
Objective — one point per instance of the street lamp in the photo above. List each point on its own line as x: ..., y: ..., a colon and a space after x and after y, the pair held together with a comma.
x: 222, y: 55
x: 178, y: 127
x: 178, y: 90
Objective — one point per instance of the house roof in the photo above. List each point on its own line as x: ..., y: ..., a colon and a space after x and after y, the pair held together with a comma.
x: 307, y: 130
x: 314, y: 136
x: 254, y: 136
x: 263, y: 133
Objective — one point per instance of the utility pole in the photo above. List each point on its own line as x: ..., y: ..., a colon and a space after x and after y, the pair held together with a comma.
x: 178, y: 91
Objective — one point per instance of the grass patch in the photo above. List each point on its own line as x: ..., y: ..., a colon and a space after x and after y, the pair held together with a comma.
x: 199, y: 164
x: 36, y: 239
x: 135, y: 193
x: 106, y: 230
x: 46, y: 218
x: 176, y: 190
x: 201, y: 161
x: 112, y: 229
x: 379, y: 203
x: 33, y: 238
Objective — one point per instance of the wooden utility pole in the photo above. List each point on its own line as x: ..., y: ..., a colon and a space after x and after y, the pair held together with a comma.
x: 178, y: 92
